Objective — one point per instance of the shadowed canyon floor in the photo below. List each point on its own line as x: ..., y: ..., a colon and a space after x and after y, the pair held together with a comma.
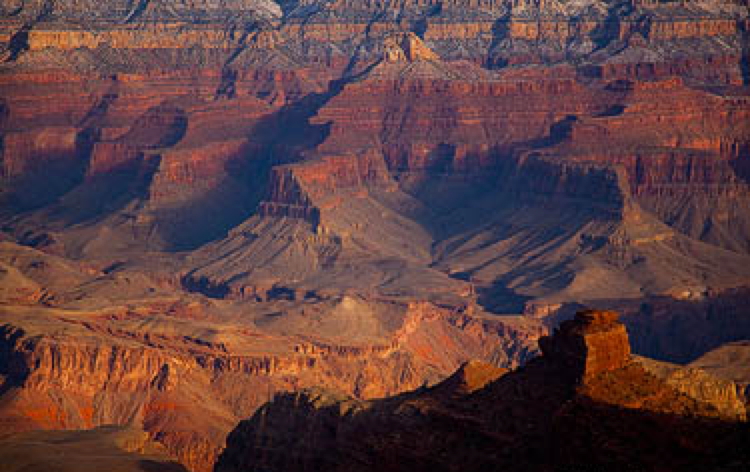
x: 206, y: 204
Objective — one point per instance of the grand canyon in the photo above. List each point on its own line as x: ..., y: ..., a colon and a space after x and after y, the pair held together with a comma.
x: 374, y: 235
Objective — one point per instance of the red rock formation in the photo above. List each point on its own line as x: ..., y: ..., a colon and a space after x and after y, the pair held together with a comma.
x: 617, y: 414
x: 30, y: 151
x: 470, y: 377
x: 109, y: 157
x: 483, y: 155
x: 593, y: 343
x: 187, y: 392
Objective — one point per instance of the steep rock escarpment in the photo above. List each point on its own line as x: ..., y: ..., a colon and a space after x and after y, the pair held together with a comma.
x: 186, y: 377
x: 585, y: 388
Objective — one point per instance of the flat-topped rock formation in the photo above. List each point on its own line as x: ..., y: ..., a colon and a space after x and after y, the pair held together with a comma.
x: 592, y: 343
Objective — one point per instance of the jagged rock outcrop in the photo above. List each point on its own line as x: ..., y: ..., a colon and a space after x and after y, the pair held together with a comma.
x: 470, y: 377
x: 727, y: 395
x: 513, y: 422
x: 406, y: 47
x: 592, y: 343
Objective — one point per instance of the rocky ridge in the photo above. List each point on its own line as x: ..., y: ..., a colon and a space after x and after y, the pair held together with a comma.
x: 492, y: 422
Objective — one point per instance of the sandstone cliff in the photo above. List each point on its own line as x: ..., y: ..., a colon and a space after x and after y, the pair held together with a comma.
x: 186, y: 374
x: 618, y: 415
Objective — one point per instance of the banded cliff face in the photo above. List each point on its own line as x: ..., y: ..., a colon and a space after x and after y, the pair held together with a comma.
x: 78, y: 370
x: 433, y: 137
x: 583, y: 385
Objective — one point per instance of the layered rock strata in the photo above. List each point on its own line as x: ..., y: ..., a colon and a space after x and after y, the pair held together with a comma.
x: 153, y: 366
x: 230, y: 200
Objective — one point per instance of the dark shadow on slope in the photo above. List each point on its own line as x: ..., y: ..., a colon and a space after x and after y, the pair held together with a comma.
x: 534, y: 419
x: 54, y: 174
x: 288, y: 6
x: 745, y: 59
x: 94, y: 118
x: 741, y: 167
x: 106, y: 194
x: 609, y: 30
x: 19, y: 41
x: 204, y: 286
x: 18, y: 44
x: 161, y: 126
x: 681, y: 331
x: 419, y: 26
x: 139, y: 6
x: 474, y: 207
x: 282, y: 137
x: 500, y: 32
x: 13, y: 368
x: 285, y: 135
x: 192, y: 223
x: 499, y: 298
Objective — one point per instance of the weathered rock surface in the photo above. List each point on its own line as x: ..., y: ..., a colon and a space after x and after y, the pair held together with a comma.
x: 85, y: 353
x: 229, y: 199
x: 592, y: 343
x: 618, y: 416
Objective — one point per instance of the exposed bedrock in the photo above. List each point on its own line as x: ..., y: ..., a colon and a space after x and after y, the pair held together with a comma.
x: 187, y: 392
x: 681, y: 330
x: 405, y: 143
x: 621, y: 39
x: 586, y: 386
x: 363, y: 196
x: 617, y: 162
x: 40, y: 165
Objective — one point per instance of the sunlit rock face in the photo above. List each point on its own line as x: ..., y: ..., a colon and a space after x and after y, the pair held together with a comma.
x: 205, y: 203
x: 592, y: 343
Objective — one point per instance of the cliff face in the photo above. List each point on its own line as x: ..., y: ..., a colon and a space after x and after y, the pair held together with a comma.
x: 72, y: 369
x: 223, y: 200
x: 493, y: 422
x: 592, y: 343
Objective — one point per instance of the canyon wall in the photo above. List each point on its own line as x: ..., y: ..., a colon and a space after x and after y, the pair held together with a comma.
x: 203, y: 205
x: 187, y: 393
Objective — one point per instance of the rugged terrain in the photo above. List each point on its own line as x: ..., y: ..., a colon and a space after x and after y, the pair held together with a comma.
x: 186, y: 369
x: 203, y: 203
x: 585, y: 404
